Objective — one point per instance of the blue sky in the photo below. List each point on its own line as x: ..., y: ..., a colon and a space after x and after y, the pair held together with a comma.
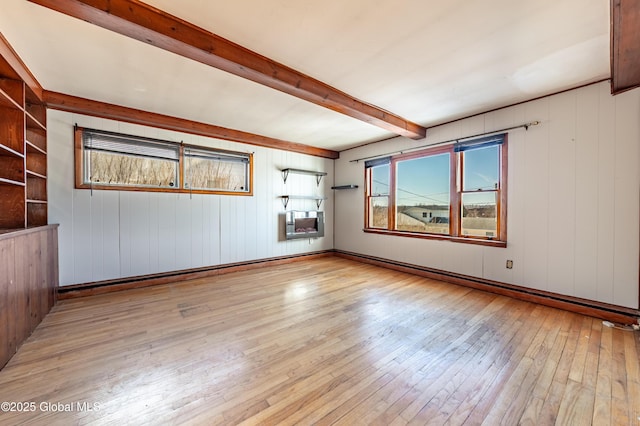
x: 426, y: 180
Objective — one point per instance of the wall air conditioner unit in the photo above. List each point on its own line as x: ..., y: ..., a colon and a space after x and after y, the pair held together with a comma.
x: 304, y: 224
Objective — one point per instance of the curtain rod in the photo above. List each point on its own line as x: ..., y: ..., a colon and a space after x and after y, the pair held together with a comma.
x: 525, y: 126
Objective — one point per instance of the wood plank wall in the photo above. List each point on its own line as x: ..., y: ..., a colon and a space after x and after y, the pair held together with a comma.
x: 107, y: 235
x: 28, y: 279
x: 573, y: 199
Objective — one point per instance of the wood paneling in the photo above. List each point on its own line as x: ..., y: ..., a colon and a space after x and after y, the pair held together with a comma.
x: 153, y: 26
x: 115, y: 234
x: 561, y: 193
x: 28, y: 279
x: 110, y: 286
x: 7, y: 300
x: 574, y: 199
x: 94, y: 108
x: 327, y: 341
x: 627, y: 198
x: 625, y: 45
x: 586, y: 167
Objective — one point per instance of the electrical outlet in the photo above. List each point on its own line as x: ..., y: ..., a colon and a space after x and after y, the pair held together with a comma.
x: 509, y: 264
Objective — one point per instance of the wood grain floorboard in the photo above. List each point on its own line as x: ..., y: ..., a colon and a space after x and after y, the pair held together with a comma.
x: 328, y: 341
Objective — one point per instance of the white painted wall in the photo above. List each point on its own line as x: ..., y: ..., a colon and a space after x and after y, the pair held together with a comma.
x: 573, y: 199
x: 114, y: 234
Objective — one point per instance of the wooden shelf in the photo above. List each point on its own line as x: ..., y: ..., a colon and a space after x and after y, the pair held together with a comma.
x: 12, y: 204
x: 6, y: 151
x: 4, y: 181
x: 34, y: 107
x: 12, y: 169
x: 23, y: 149
x: 11, y: 93
x: 32, y: 122
x: 33, y: 146
x: 12, y: 129
x: 35, y: 175
x: 36, y: 214
x: 36, y: 187
x: 37, y: 163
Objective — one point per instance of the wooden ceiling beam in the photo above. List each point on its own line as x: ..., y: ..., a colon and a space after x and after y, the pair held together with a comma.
x: 145, y: 23
x: 93, y: 108
x: 625, y: 45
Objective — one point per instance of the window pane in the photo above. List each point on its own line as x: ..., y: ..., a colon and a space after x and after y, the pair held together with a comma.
x: 481, y: 169
x: 479, y: 214
x: 213, y: 173
x: 108, y: 168
x: 380, y: 180
x: 422, y: 194
x: 379, y: 212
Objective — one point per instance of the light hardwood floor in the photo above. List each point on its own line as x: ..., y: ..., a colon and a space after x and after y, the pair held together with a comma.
x: 324, y: 341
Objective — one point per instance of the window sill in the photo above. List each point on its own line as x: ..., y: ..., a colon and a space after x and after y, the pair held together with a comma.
x: 464, y: 240
x: 175, y: 190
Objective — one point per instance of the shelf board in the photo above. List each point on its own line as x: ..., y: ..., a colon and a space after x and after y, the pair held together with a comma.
x: 35, y: 148
x: 5, y: 150
x: 8, y: 102
x: 304, y: 172
x: 36, y: 201
x: 36, y: 175
x: 318, y: 175
x: 4, y: 181
x: 286, y: 198
x: 32, y: 120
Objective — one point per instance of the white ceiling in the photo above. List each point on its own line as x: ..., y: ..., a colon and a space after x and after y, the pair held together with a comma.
x: 427, y: 61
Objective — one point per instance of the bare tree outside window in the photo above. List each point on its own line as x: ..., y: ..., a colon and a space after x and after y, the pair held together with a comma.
x: 117, y: 169
x: 204, y: 173
x: 124, y: 162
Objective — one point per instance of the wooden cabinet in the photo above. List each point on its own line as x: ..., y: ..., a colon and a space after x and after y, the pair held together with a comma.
x: 23, y: 150
x: 28, y: 283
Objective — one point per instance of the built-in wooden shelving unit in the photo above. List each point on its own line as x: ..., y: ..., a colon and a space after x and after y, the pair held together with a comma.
x: 23, y: 151
x: 28, y: 246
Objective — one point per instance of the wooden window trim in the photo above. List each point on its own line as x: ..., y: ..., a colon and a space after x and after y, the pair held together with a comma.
x: 80, y: 184
x: 455, y: 206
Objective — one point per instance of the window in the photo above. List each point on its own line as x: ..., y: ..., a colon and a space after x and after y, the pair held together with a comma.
x: 455, y: 192
x: 378, y: 194
x: 216, y: 171
x: 108, y: 160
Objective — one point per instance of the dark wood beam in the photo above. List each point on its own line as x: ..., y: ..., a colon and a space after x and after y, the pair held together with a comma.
x: 78, y: 105
x: 16, y: 64
x: 625, y: 45
x: 142, y: 22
